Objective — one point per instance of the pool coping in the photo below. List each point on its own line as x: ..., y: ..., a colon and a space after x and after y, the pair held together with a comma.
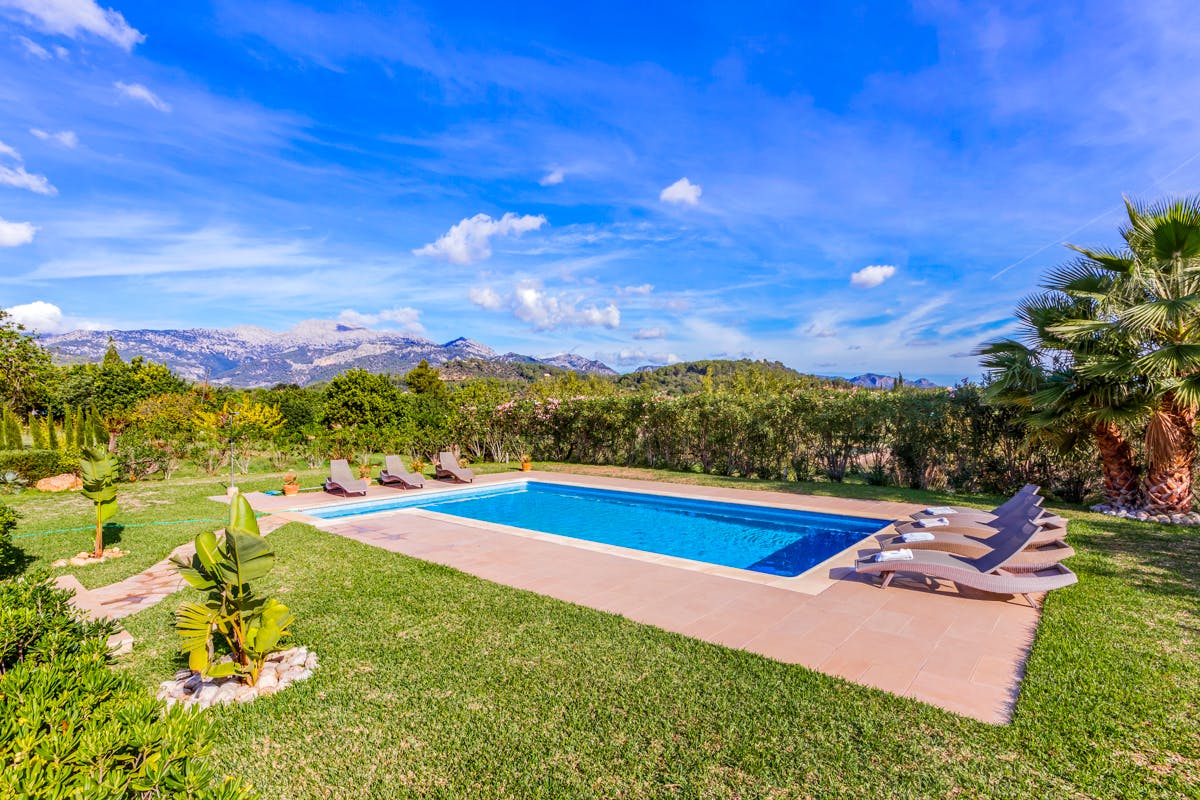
x: 813, y: 581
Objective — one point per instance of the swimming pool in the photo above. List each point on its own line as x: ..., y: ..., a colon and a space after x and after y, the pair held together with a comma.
x: 775, y: 541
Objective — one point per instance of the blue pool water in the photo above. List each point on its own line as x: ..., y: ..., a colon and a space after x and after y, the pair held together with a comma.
x: 770, y: 540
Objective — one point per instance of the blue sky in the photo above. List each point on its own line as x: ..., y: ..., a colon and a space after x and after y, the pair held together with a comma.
x: 847, y: 188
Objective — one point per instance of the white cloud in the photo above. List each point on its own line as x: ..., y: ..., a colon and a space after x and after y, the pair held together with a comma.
x: 18, y: 178
x: 651, y: 333
x: 136, y: 91
x: 645, y: 288
x: 70, y: 18
x: 404, y: 318
x: 681, y: 191
x: 33, y: 48
x: 39, y: 316
x: 872, y: 276
x: 9, y: 151
x: 554, y: 177
x: 65, y: 138
x: 485, y: 297
x: 15, y: 234
x: 819, y: 331
x: 530, y: 303
x: 632, y: 356
x: 470, y: 239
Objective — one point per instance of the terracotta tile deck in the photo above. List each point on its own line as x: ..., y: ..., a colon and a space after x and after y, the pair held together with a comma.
x: 963, y: 651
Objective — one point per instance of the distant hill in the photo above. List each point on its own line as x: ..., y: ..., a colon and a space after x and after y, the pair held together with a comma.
x: 688, y: 376
x: 311, y: 352
x: 872, y: 381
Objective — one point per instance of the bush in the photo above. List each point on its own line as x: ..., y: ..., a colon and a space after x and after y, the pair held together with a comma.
x: 72, y: 727
x: 33, y: 465
x: 9, y: 555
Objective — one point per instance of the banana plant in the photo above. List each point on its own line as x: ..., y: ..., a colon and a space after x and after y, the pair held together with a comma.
x: 99, y: 476
x: 249, y: 626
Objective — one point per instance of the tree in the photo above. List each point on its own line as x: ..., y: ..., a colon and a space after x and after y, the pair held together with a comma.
x: 424, y: 379
x: 25, y: 368
x: 1150, y: 298
x: 357, y: 398
x: 99, y: 476
x: 236, y: 421
x: 1040, y: 375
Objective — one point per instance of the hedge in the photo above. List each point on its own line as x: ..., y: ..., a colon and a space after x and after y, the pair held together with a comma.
x: 33, y: 465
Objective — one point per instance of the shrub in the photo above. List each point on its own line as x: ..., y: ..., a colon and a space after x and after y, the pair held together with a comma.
x: 33, y: 465
x: 72, y: 727
x: 9, y: 555
x: 251, y: 626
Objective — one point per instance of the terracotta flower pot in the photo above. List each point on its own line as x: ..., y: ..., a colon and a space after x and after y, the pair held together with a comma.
x: 526, y: 466
x: 291, y: 488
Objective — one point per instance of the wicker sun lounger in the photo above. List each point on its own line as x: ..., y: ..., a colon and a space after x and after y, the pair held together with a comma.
x: 341, y: 480
x: 994, y: 572
x: 1041, y: 551
x: 1027, y: 494
x: 393, y: 472
x: 447, y: 467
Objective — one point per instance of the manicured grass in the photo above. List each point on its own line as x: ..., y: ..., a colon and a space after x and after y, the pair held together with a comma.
x: 435, y: 683
x: 150, y: 522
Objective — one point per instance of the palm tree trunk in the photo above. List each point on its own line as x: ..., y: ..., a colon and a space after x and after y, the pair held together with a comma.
x: 1121, y: 474
x: 1167, y: 488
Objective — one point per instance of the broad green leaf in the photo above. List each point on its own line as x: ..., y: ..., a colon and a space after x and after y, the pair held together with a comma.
x: 207, y: 551
x: 223, y: 670
x: 250, y: 557
x: 241, y: 517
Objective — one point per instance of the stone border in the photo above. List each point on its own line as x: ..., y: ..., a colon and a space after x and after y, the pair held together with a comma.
x: 280, y: 671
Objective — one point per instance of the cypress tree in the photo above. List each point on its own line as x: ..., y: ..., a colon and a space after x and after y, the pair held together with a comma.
x: 37, y: 433
x: 14, y: 431
x: 68, y: 428
x: 81, y: 440
x: 4, y: 430
x: 51, y: 433
x: 97, y: 435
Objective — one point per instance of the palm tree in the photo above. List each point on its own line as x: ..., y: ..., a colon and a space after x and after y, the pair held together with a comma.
x: 1147, y: 296
x: 1041, y: 376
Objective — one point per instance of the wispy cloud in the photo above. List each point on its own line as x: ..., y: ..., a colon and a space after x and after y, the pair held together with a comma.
x: 67, y: 139
x: 471, y: 239
x: 74, y: 18
x: 14, y: 174
x: 554, y: 177
x: 138, y: 92
x: 650, y: 333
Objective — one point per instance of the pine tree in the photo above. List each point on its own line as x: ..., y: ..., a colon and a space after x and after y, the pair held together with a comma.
x: 37, y: 433
x: 51, y: 434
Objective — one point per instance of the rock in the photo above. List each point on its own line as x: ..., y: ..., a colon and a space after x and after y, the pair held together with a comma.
x: 207, y: 695
x: 183, y: 674
x: 59, y: 483
x: 193, y: 682
x: 266, y: 680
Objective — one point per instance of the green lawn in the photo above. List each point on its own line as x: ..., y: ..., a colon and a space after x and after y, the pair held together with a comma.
x: 435, y: 683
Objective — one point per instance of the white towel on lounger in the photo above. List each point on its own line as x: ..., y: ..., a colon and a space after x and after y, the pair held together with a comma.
x: 936, y: 522
x: 903, y: 554
x: 938, y: 511
x: 917, y: 536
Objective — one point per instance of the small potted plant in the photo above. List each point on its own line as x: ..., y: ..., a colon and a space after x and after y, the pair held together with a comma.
x: 291, y: 484
x: 417, y: 466
x: 364, y: 472
x: 526, y: 462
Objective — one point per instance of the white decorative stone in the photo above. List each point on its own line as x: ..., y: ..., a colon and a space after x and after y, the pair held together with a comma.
x: 279, y: 671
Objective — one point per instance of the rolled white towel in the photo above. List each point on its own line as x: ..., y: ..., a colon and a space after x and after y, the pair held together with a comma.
x: 935, y: 522
x: 903, y: 554
x: 939, y: 511
x: 917, y: 536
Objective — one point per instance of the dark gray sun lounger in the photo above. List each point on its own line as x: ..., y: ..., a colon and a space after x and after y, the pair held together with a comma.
x: 447, y: 467
x: 341, y: 480
x: 394, y: 472
x: 995, y: 572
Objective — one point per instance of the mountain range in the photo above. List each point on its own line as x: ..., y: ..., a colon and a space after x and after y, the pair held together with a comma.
x: 311, y: 352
